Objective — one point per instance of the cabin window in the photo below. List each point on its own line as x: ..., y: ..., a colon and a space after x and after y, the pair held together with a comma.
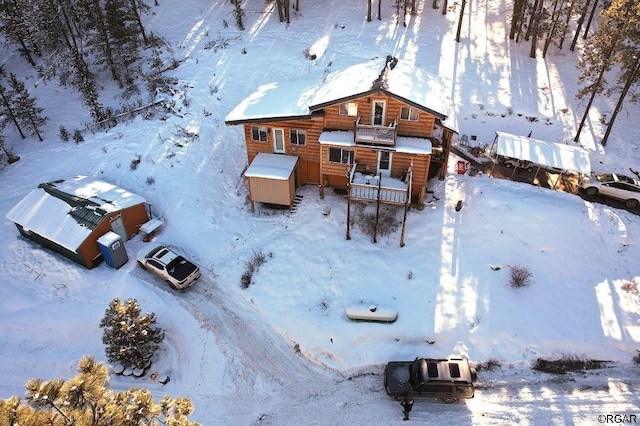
x: 349, y: 108
x: 409, y: 114
x: 298, y: 137
x: 339, y: 155
x: 259, y: 133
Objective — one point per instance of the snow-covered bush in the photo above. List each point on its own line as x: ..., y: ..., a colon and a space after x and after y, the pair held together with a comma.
x: 131, y: 338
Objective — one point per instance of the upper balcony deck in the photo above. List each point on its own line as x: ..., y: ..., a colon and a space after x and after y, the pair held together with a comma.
x: 372, y: 134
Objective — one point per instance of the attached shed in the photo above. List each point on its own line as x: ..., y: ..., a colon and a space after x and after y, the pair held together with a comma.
x: 546, y: 154
x: 271, y: 179
x: 69, y: 216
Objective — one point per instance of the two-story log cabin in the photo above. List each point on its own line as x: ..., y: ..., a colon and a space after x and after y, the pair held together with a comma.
x: 379, y: 119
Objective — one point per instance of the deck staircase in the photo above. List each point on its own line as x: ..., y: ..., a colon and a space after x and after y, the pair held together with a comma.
x: 297, y: 199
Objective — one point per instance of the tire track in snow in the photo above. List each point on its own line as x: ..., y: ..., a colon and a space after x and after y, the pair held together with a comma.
x: 259, y: 361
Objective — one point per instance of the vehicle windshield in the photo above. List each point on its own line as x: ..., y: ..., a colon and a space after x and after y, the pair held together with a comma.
x: 415, y: 374
x: 605, y: 177
x: 627, y: 179
x: 154, y: 251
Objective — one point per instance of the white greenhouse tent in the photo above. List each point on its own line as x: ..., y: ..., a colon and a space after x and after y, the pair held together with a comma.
x: 565, y: 158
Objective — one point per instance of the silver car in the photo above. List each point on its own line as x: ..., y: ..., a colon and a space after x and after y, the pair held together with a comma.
x: 613, y: 185
x: 169, y: 266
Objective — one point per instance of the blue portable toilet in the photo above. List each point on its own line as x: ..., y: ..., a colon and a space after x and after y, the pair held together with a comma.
x: 113, y: 250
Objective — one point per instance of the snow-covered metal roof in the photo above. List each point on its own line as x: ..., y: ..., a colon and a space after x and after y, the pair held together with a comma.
x: 68, y: 217
x: 560, y: 156
x: 337, y: 137
x: 272, y: 166
x: 352, y: 81
x: 413, y: 145
x: 398, y: 78
x: 298, y: 98
x: 407, y: 145
x: 275, y: 101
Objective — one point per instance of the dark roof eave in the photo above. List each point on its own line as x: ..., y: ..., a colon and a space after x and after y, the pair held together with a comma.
x: 341, y: 100
x: 439, y: 115
x: 268, y: 119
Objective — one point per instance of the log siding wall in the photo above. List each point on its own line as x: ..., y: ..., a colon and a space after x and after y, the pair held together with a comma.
x: 314, y: 165
x: 421, y: 128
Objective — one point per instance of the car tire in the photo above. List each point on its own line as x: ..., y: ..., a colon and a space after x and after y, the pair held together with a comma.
x: 142, y: 265
x: 508, y: 165
x: 591, y: 191
x: 631, y: 203
x: 530, y: 169
x: 449, y: 400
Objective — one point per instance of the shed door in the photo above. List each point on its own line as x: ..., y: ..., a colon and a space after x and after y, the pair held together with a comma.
x: 117, y: 225
x: 278, y: 141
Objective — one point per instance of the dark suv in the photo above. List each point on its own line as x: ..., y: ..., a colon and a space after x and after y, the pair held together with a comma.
x: 448, y: 379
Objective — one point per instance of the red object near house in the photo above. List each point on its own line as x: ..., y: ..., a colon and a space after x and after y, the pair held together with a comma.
x: 462, y: 167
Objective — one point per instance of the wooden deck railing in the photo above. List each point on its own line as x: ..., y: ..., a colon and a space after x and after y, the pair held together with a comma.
x: 372, y: 134
x: 369, y: 191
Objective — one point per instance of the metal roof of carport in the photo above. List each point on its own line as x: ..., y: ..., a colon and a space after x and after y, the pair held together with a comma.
x: 559, y: 156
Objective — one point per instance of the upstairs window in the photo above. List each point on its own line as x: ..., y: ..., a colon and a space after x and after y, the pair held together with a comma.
x: 259, y: 133
x: 409, y: 114
x: 298, y: 137
x: 349, y: 108
x: 339, y: 155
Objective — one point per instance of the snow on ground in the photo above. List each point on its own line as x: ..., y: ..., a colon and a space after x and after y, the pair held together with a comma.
x: 283, y: 351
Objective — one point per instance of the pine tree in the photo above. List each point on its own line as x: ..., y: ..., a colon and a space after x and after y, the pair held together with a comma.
x: 239, y: 13
x: 627, y: 58
x: 132, y: 339
x: 517, y: 17
x: 462, y: 7
x: 87, y: 399
x: 583, y: 14
x: 26, y: 112
x: 137, y: 8
x: 11, y: 157
x: 123, y: 31
x: 7, y: 107
x: 17, y: 27
x: 603, y: 51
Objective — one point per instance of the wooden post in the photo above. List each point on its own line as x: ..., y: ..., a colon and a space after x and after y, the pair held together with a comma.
x: 348, y: 210
x: 404, y: 219
x: 406, y: 203
x: 375, y: 226
x: 464, y: 3
x: 348, y: 173
x: 253, y: 210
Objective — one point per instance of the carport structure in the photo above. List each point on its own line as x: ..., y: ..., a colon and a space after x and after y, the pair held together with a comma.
x: 546, y: 155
